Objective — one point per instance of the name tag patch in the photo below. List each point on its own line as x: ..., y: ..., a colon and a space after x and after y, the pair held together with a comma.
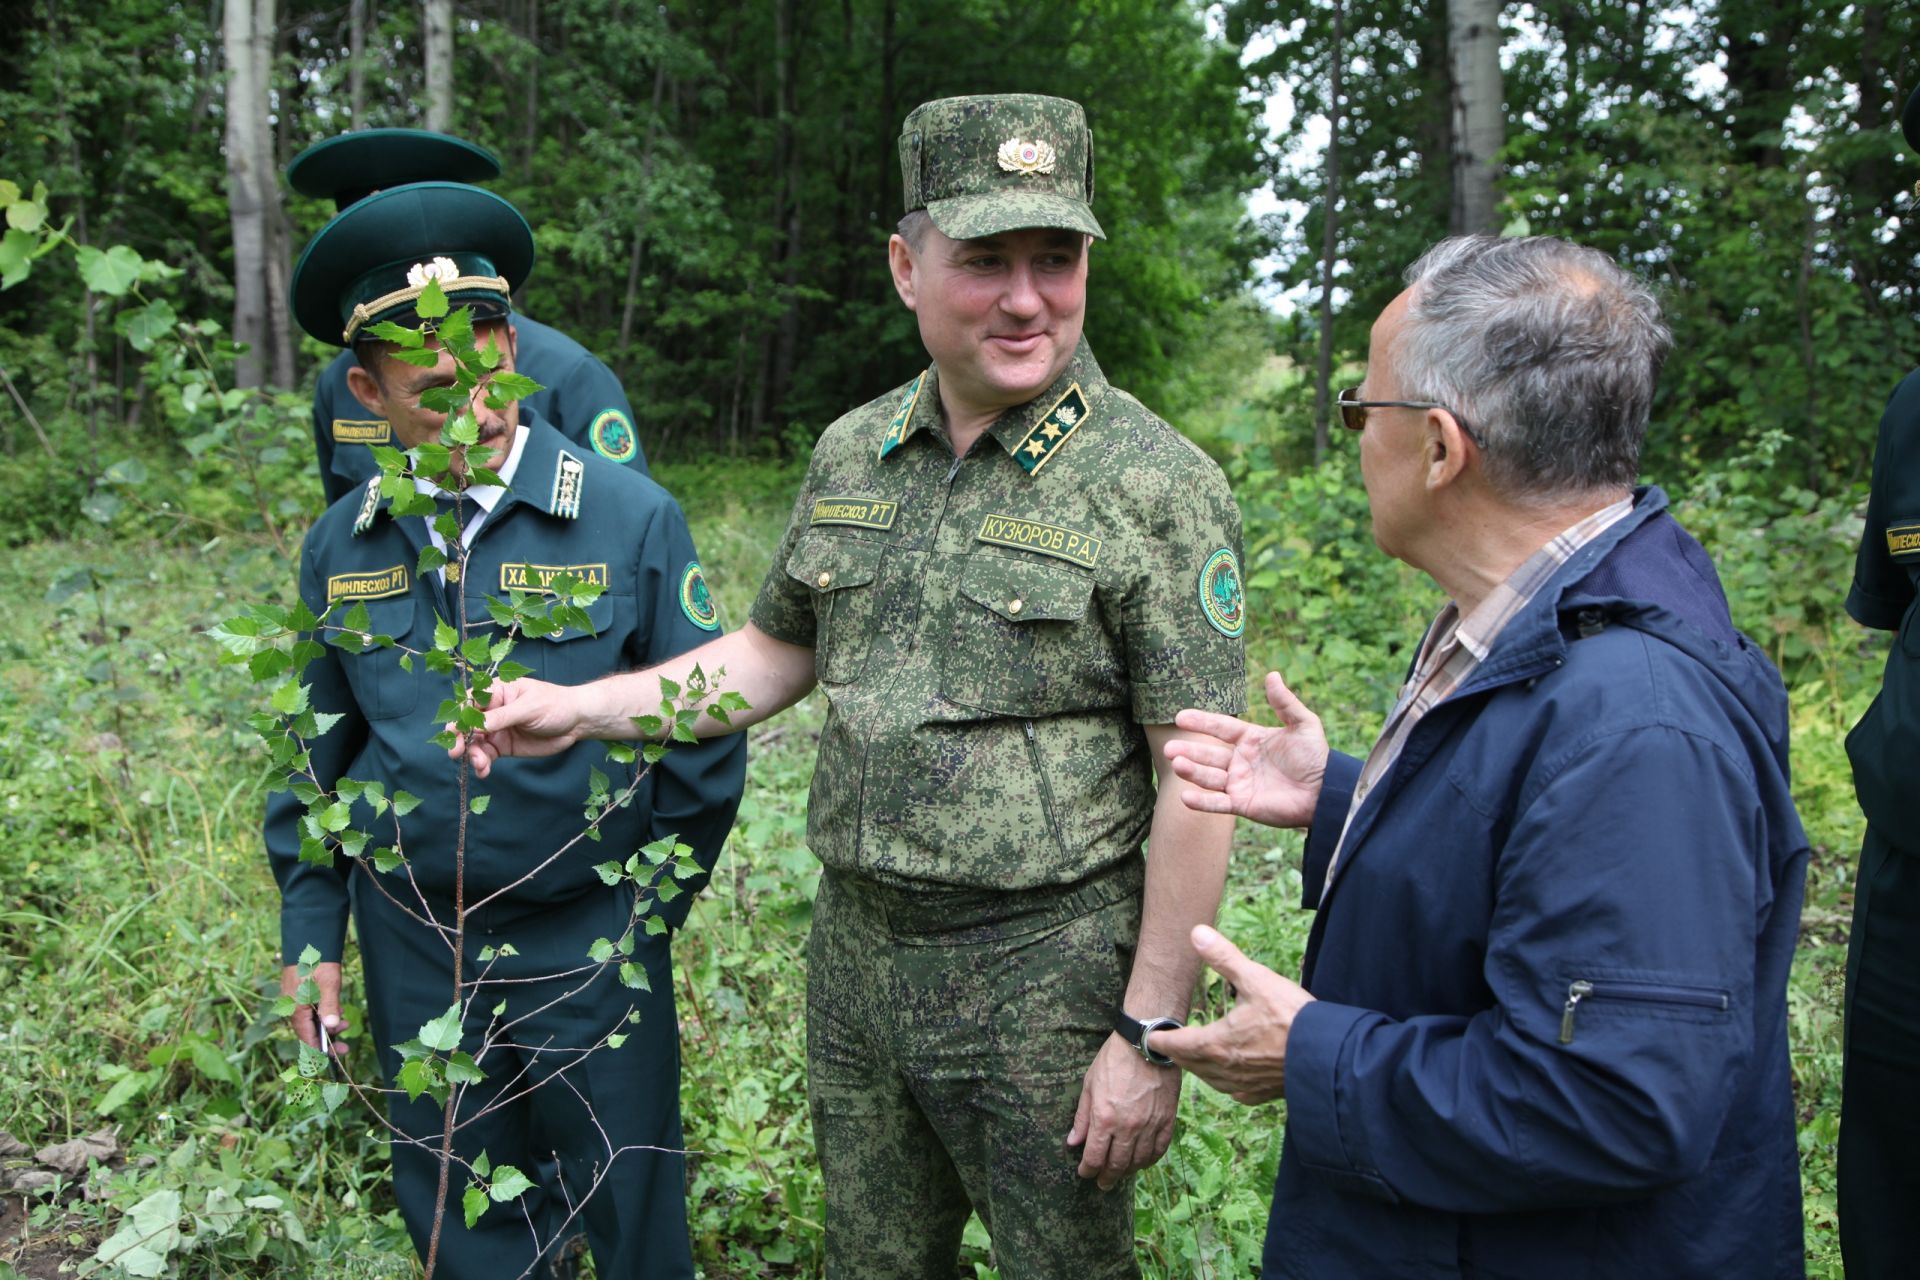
x: 538, y: 578
x: 1048, y: 539
x: 367, y: 586
x: 1903, y: 540
x: 362, y: 431
x: 865, y: 513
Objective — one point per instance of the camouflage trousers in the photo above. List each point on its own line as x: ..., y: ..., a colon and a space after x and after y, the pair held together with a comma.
x: 948, y: 1033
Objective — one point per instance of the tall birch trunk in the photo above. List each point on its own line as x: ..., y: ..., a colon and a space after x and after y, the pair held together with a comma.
x: 357, y: 64
x: 439, y: 58
x: 248, y: 182
x: 1329, y: 242
x: 1479, y: 123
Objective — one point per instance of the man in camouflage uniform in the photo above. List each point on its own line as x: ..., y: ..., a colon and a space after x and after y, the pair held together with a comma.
x: 1008, y: 575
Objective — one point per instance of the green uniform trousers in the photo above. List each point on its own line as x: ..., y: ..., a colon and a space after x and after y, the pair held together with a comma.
x: 610, y: 1120
x: 948, y: 1033
x: 1879, y: 1176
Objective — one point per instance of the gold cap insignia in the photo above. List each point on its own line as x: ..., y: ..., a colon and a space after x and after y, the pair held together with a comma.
x: 1017, y: 155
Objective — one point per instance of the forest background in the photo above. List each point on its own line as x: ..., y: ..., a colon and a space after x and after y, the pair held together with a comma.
x: 711, y: 187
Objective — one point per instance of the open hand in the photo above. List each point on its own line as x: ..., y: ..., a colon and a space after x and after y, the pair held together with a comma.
x: 1269, y: 775
x: 1244, y: 1054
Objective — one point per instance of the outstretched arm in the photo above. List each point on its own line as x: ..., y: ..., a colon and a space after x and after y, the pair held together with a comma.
x: 533, y: 718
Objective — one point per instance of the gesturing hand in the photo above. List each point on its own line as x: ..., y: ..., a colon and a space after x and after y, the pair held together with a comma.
x: 1269, y: 775
x: 1244, y: 1054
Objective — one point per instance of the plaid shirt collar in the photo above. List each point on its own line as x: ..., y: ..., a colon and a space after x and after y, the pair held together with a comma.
x: 1456, y: 646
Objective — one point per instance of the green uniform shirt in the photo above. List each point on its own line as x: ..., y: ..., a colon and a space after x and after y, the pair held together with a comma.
x: 1886, y: 581
x: 992, y: 631
x: 564, y: 511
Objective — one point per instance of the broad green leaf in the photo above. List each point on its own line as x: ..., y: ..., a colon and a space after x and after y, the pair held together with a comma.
x: 113, y: 272
x: 513, y: 386
x: 211, y: 1063
x: 419, y: 359
x: 9, y: 192
x: 433, y: 302
x: 611, y: 872
x: 124, y: 1090
x: 398, y: 334
x: 601, y: 951
x: 508, y: 1184
x: 461, y: 1069
x: 635, y: 976
x: 415, y: 1078
x: 147, y: 325
x: 16, y: 257
x: 26, y: 215
x: 478, y: 804
x: 309, y: 956
x: 473, y: 1203
x: 443, y: 1032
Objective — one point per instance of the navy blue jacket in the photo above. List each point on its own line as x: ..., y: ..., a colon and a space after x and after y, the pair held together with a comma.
x: 620, y: 529
x: 1550, y: 1032
x: 579, y: 397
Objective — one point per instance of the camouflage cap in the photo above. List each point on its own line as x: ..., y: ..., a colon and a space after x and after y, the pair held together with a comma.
x: 999, y: 162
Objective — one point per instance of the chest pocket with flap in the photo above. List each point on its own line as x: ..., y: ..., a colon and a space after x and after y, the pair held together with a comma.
x: 381, y: 687
x: 843, y: 575
x: 569, y: 656
x: 1023, y: 643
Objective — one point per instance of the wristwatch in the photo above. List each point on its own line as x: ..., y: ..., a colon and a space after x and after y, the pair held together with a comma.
x: 1134, y: 1032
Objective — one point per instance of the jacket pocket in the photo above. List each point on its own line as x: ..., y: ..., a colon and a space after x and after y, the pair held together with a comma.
x: 572, y: 655
x: 382, y: 688
x: 1674, y: 1000
x: 1019, y: 644
x: 843, y: 575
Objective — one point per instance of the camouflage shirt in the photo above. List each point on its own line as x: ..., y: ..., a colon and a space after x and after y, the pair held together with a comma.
x: 992, y: 631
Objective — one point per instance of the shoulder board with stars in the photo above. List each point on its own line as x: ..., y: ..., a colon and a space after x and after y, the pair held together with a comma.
x: 897, y: 429
x: 1039, y: 445
x: 369, y: 505
x: 569, y: 478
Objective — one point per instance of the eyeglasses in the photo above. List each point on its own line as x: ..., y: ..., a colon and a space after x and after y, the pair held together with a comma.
x: 1353, y: 411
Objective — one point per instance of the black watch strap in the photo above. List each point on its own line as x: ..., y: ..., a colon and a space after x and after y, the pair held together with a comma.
x: 1134, y: 1032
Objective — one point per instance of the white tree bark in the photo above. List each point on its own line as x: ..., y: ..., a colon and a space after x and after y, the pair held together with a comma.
x: 1479, y: 113
x: 248, y: 181
x: 356, y: 63
x: 439, y: 57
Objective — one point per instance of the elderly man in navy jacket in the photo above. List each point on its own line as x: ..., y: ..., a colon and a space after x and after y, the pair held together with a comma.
x: 1541, y: 1025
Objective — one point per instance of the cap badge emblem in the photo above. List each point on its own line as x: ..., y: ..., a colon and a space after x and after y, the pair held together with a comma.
x: 1017, y: 155
x: 439, y: 269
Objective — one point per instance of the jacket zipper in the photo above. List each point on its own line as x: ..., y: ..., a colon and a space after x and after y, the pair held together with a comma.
x: 1642, y: 992
x: 1046, y: 792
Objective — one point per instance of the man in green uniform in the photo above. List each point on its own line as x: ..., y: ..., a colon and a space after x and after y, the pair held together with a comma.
x: 580, y: 396
x: 1879, y: 1175
x: 608, y: 1116
x: 1007, y: 575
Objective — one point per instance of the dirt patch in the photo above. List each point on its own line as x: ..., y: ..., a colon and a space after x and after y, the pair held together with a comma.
x: 40, y: 1253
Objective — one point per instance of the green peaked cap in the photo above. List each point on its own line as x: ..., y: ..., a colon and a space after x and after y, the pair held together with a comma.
x: 372, y: 261
x: 352, y: 166
x: 999, y: 162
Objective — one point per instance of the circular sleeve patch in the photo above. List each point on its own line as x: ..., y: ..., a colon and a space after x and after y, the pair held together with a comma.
x: 696, y: 601
x: 612, y: 436
x: 1221, y: 598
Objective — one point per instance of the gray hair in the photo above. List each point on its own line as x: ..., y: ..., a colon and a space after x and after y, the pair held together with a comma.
x: 1549, y: 351
x: 913, y: 228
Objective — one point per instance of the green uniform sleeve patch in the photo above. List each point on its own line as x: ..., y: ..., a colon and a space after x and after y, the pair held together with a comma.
x: 865, y: 513
x: 367, y: 586
x: 362, y: 431
x: 1903, y: 540
x: 1047, y: 539
x: 612, y: 436
x: 1221, y: 598
x: 696, y: 601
